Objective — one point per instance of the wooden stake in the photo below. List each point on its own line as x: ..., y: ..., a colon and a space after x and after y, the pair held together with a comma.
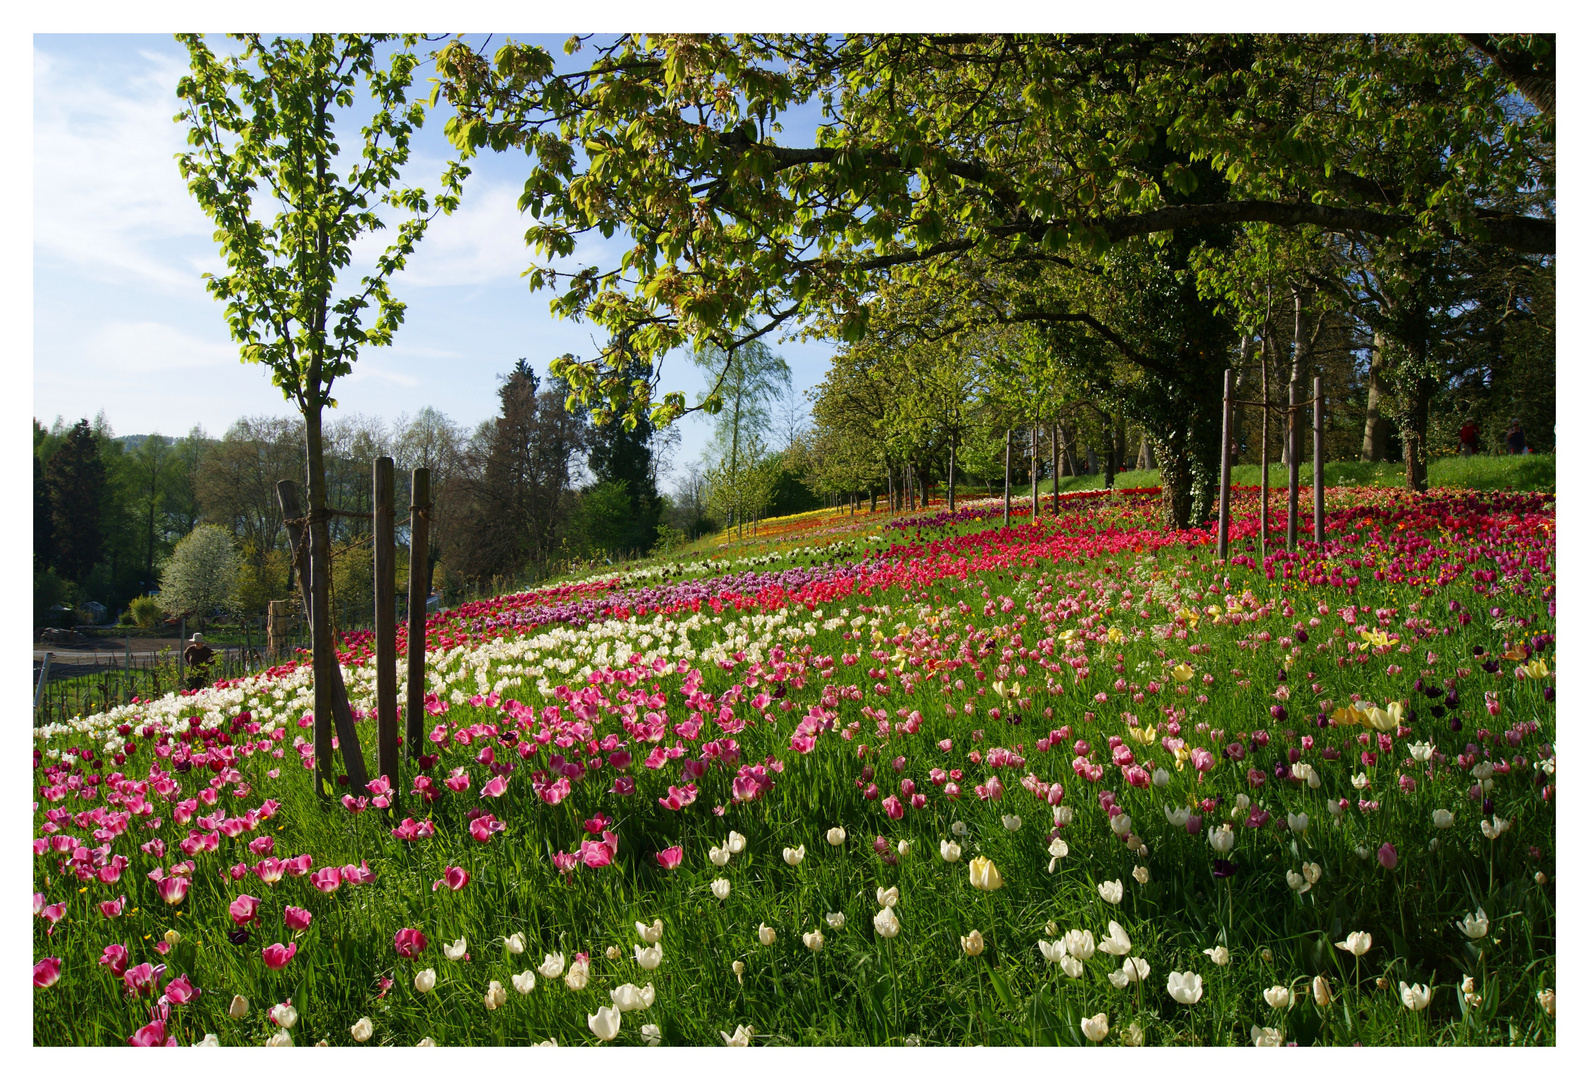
x: 418, y: 597
x: 341, y: 713
x: 1227, y: 427
x: 385, y: 568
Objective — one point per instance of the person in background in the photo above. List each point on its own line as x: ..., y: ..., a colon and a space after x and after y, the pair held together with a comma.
x: 1516, y: 441
x: 198, y: 656
x: 1468, y: 439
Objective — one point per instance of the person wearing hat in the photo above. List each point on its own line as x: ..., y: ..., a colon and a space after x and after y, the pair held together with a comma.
x: 198, y: 657
x: 1516, y: 442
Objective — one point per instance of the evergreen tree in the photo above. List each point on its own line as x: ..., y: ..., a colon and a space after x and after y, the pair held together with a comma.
x: 43, y: 533
x: 75, y: 477
x: 622, y: 455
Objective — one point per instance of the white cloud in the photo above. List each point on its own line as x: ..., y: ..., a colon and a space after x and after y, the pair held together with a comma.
x: 149, y: 348
x: 108, y: 199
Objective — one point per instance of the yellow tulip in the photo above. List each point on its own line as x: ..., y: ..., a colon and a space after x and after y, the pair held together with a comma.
x: 1182, y: 673
x: 984, y: 875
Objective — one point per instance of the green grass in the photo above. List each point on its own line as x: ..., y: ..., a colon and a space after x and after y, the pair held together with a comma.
x: 862, y: 988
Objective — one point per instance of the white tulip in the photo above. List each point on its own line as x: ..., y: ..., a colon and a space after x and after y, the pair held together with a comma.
x: 648, y: 958
x: 720, y: 888
x: 1267, y: 1036
x: 1012, y: 822
x: 284, y: 1015
x: 1132, y: 969
x: 835, y: 919
x: 524, y: 982
x: 208, y: 1040
x: 1186, y: 987
x: 1475, y: 924
x: 496, y: 995
x: 836, y: 836
x: 958, y: 828
x: 1118, y: 943
x: 651, y: 1034
x: 1218, y: 954
x: 514, y: 943
x: 1415, y: 997
x: 719, y: 855
x: 552, y: 966
x: 1071, y: 966
x: 1095, y: 1028
x: 578, y: 976
x: 1277, y: 997
x: 604, y: 1024
x: 886, y: 923
x: 949, y: 851
x: 629, y: 997
x: 736, y: 842
x: 794, y: 856
x: 888, y: 897
x: 1443, y: 819
x: 649, y: 934
x: 766, y: 934
x: 457, y: 949
x: 425, y: 981
x: 741, y: 1036
x: 1112, y: 891
x: 1177, y: 815
x: 1053, y: 951
x: 1079, y: 943
x: 1120, y: 824
x: 813, y: 940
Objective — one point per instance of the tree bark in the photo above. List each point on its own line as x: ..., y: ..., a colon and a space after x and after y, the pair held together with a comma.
x: 1376, y: 428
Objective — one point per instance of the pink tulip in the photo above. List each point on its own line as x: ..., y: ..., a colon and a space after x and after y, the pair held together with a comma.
x: 151, y: 1034
x: 670, y: 858
x: 494, y: 787
x: 1387, y: 855
x: 172, y: 889
x: 270, y: 870
x: 277, y: 955
x: 298, y: 866
x: 893, y: 807
x: 327, y: 880
x: 180, y: 991
x: 112, y: 908
x: 46, y: 972
x: 594, y: 854
x: 115, y: 958
x: 455, y: 878
x: 358, y: 875
x: 262, y: 845
x: 143, y: 979
x: 409, y: 943
x: 297, y: 918
x: 482, y: 827
x: 53, y: 913
x: 244, y: 910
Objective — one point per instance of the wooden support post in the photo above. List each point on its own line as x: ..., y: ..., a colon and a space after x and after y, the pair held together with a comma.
x: 418, y: 597
x: 1293, y: 466
x: 1226, y: 429
x: 1009, y: 437
x: 341, y: 714
x: 386, y: 741
x: 44, y: 678
x: 1318, y: 460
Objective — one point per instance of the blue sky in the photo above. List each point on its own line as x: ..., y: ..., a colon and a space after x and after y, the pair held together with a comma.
x: 122, y: 322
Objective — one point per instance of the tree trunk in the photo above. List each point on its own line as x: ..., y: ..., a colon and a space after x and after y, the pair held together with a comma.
x: 1009, y: 438
x: 1415, y: 433
x: 952, y: 477
x: 1376, y: 429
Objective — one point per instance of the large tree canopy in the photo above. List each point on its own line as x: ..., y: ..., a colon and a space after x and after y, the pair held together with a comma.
x: 936, y: 150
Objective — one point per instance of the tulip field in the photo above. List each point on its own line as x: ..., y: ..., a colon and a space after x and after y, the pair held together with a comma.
x: 914, y: 781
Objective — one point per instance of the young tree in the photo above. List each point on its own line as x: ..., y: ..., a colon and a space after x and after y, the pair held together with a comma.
x: 744, y: 384
x: 268, y: 119
x: 201, y: 574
